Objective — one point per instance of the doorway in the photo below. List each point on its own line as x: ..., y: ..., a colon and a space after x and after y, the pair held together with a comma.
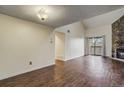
x: 59, y: 46
x: 96, y: 46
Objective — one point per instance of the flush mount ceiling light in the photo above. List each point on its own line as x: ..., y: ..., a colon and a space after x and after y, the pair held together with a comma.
x: 42, y: 14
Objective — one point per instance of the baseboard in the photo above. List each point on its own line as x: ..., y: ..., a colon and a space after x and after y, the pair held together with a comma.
x: 59, y: 59
x: 26, y: 71
x: 69, y: 58
x: 74, y: 57
x: 122, y: 60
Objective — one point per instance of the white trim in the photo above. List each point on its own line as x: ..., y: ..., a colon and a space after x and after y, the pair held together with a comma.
x: 60, y: 59
x: 69, y: 58
x: 73, y: 57
x: 118, y: 59
x: 23, y: 72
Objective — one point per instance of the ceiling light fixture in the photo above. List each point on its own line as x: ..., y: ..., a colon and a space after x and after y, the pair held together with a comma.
x: 42, y: 14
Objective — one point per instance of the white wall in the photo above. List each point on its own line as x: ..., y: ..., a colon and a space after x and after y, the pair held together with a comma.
x: 20, y: 42
x: 59, y: 45
x: 100, y: 31
x: 74, y: 41
x: 104, y: 19
x: 101, y: 25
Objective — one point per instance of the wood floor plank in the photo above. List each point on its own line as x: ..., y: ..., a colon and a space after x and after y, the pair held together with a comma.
x: 88, y: 71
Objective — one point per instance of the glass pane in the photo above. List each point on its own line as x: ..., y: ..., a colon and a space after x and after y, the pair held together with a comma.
x: 95, y: 46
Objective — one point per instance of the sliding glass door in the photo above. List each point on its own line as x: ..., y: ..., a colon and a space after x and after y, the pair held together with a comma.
x: 96, y: 46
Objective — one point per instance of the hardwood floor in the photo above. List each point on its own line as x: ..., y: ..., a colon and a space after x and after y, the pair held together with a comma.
x: 88, y: 71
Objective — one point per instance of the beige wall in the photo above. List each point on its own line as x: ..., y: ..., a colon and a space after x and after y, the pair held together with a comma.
x: 101, y: 25
x: 104, y: 19
x: 100, y: 31
x: 22, y: 41
x: 74, y: 41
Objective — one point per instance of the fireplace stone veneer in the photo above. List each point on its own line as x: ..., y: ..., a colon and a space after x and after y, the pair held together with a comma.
x: 118, y: 38
x: 120, y: 53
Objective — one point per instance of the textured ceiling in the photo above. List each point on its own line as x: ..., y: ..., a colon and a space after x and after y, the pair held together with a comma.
x: 58, y: 15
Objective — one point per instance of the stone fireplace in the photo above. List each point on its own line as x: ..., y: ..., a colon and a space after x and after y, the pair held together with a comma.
x: 118, y: 38
x: 120, y: 53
